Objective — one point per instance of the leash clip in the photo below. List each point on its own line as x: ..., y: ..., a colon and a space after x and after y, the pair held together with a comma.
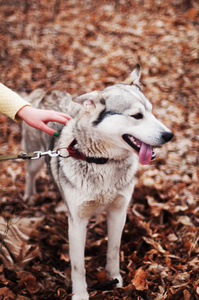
x: 38, y: 154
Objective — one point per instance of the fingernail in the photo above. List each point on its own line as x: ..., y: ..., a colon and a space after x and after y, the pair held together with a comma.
x: 56, y: 134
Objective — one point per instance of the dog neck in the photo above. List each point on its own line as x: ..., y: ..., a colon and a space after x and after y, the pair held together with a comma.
x: 75, y: 153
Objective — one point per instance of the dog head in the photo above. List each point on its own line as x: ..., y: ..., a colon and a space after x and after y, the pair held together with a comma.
x: 123, y: 114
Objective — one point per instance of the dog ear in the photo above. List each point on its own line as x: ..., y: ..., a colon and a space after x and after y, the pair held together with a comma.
x: 134, y: 77
x: 88, y: 105
x: 94, y: 97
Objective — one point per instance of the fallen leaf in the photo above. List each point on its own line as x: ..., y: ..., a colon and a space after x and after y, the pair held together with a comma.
x: 185, y: 220
x: 139, y: 280
x: 6, y: 294
x: 31, y: 284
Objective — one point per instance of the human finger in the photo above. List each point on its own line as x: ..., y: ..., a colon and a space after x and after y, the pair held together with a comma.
x: 44, y: 127
x: 57, y: 117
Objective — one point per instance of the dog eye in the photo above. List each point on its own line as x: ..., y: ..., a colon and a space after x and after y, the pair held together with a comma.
x: 137, y: 116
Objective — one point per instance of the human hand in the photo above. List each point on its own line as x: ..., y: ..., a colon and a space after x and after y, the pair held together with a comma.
x: 39, y: 118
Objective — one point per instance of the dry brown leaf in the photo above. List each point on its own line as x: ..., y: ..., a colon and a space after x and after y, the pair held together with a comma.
x: 14, y: 244
x: 139, y: 280
x: 6, y: 294
x: 162, y: 295
x: 65, y: 253
x: 31, y: 284
x: 20, y: 297
x: 192, y: 14
x: 187, y: 295
x: 185, y: 220
x: 154, y: 244
x: 101, y: 276
x: 61, y: 293
x: 197, y: 290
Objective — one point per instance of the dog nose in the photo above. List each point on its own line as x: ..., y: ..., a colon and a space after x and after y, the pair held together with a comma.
x: 167, y: 136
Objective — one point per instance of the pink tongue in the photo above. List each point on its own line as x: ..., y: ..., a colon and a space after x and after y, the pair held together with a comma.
x: 145, y: 153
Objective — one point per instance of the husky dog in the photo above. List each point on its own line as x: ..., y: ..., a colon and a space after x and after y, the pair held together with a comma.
x: 109, y: 133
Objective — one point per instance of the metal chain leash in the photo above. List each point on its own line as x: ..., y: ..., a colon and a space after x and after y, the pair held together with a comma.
x: 32, y: 155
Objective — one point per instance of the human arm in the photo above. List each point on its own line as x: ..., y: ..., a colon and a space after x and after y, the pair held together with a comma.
x: 15, y: 107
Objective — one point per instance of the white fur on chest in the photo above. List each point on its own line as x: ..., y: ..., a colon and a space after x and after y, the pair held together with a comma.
x: 99, y: 179
x: 91, y: 188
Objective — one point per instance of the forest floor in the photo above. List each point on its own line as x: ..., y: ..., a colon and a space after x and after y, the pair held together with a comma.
x: 79, y: 46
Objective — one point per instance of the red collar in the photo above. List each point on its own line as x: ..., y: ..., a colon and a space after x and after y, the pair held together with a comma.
x: 75, y: 153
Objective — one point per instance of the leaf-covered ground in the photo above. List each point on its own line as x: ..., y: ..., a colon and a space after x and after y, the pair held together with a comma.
x: 79, y: 46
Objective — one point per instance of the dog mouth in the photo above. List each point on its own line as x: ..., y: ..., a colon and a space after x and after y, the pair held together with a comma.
x: 145, y: 151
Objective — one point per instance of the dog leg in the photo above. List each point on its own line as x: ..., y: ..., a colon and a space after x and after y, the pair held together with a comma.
x: 116, y: 219
x: 32, y: 168
x: 77, y: 238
